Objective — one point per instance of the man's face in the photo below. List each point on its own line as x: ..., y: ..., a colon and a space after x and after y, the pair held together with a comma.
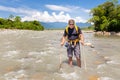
x: 71, y: 25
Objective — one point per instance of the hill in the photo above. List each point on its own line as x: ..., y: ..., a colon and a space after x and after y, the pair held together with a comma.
x: 61, y: 25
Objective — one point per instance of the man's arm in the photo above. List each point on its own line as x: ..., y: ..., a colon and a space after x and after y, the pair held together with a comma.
x: 63, y: 38
x: 81, y: 39
x: 81, y: 36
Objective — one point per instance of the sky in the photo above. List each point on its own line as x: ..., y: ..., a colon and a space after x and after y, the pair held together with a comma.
x: 49, y: 10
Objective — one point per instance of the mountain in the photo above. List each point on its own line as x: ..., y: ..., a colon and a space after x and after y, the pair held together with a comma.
x: 61, y: 25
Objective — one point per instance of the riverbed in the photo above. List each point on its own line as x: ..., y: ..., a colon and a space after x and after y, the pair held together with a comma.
x: 36, y: 55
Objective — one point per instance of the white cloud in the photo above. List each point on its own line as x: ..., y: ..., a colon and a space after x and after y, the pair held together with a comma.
x: 79, y: 19
x: 58, y: 8
x: 6, y: 8
x: 46, y: 17
x: 85, y: 10
x: 66, y: 8
x: 32, y: 14
x: 17, y: 10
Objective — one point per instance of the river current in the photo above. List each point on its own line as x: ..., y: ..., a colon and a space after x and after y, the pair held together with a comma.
x: 37, y: 55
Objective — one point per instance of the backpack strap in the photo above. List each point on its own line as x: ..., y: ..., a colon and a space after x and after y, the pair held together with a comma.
x: 66, y: 29
x: 76, y: 28
x: 76, y: 40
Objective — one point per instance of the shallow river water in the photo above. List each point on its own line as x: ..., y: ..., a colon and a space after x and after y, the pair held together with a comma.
x: 36, y: 55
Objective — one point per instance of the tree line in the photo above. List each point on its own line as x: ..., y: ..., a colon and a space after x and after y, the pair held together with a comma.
x: 106, y: 17
x: 14, y: 22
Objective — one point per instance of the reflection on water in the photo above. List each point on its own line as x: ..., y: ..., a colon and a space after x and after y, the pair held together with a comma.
x: 35, y: 55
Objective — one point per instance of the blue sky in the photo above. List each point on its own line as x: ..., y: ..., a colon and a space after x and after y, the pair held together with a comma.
x: 49, y: 10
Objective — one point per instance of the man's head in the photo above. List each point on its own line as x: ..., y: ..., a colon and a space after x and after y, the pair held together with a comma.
x: 71, y: 23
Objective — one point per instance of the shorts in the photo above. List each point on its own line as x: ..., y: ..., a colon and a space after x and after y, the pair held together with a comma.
x: 76, y: 49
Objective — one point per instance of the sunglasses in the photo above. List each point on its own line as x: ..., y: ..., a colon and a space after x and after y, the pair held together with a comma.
x: 71, y: 24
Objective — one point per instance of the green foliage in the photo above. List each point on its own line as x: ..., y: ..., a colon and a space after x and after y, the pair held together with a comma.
x: 88, y: 28
x: 15, y: 23
x: 106, y: 17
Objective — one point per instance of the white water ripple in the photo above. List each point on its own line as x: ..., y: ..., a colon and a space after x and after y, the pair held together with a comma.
x: 15, y: 75
x: 10, y: 54
x: 70, y: 76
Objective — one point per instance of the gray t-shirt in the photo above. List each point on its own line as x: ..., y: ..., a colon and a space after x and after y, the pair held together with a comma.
x: 72, y: 33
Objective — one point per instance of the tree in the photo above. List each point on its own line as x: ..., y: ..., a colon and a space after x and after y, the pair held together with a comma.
x: 115, y: 2
x: 15, y: 23
x: 106, y: 17
x: 17, y: 19
x: 11, y: 17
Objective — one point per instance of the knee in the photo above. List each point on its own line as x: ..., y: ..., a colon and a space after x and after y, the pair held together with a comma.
x: 70, y: 58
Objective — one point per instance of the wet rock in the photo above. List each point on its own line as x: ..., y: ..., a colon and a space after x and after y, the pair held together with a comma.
x: 118, y: 34
x: 98, y: 62
x: 9, y: 66
x: 37, y: 76
x: 93, y: 77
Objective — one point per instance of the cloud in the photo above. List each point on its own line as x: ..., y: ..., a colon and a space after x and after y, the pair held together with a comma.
x: 85, y: 10
x: 66, y: 8
x: 17, y: 10
x: 78, y: 9
x: 58, y: 8
x: 80, y: 19
x: 45, y: 16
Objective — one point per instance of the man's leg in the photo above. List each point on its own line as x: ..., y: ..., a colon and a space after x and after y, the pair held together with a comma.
x: 77, y: 54
x: 70, y: 62
x: 78, y: 61
x: 70, y: 55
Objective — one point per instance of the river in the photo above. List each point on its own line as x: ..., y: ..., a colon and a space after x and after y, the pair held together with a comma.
x: 36, y: 55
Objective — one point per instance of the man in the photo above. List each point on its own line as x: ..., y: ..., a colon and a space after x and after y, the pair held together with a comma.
x: 73, y: 35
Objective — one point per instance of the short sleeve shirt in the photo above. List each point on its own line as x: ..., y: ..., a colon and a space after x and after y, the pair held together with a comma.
x: 72, y: 33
